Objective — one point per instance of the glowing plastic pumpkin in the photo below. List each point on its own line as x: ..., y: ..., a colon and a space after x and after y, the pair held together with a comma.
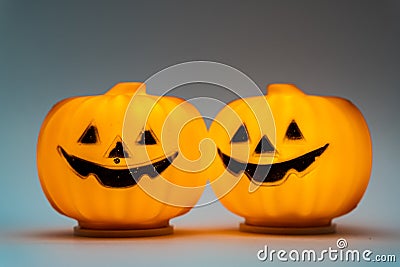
x: 90, y: 158
x: 313, y: 166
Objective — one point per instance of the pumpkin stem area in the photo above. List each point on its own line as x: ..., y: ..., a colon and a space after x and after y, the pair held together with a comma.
x: 127, y: 88
x: 283, y: 88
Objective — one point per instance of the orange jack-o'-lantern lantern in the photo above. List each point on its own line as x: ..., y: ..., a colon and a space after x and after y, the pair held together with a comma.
x: 94, y: 151
x: 312, y: 166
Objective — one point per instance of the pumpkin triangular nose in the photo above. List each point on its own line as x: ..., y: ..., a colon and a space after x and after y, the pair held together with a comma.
x: 264, y: 146
x: 117, y: 150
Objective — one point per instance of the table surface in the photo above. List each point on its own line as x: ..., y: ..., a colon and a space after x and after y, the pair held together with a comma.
x: 193, y: 243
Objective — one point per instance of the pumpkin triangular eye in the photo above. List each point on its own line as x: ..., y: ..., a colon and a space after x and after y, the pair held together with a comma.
x: 293, y: 132
x: 146, y: 138
x: 240, y: 135
x: 264, y: 146
x: 89, y: 136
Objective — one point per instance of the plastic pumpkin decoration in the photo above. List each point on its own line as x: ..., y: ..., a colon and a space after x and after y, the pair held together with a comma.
x: 91, y: 160
x: 313, y: 166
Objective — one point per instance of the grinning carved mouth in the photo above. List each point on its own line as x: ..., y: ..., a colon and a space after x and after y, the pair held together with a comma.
x: 269, y: 173
x: 116, y: 178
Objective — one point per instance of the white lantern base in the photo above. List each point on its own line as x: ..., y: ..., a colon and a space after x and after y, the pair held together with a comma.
x: 167, y: 230
x: 328, y: 229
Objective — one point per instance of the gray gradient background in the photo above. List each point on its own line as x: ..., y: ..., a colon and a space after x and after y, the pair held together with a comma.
x: 53, y: 50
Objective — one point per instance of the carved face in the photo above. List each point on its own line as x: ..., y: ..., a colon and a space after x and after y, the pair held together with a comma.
x: 116, y: 176
x: 274, y: 173
x: 94, y: 151
x: 303, y: 165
